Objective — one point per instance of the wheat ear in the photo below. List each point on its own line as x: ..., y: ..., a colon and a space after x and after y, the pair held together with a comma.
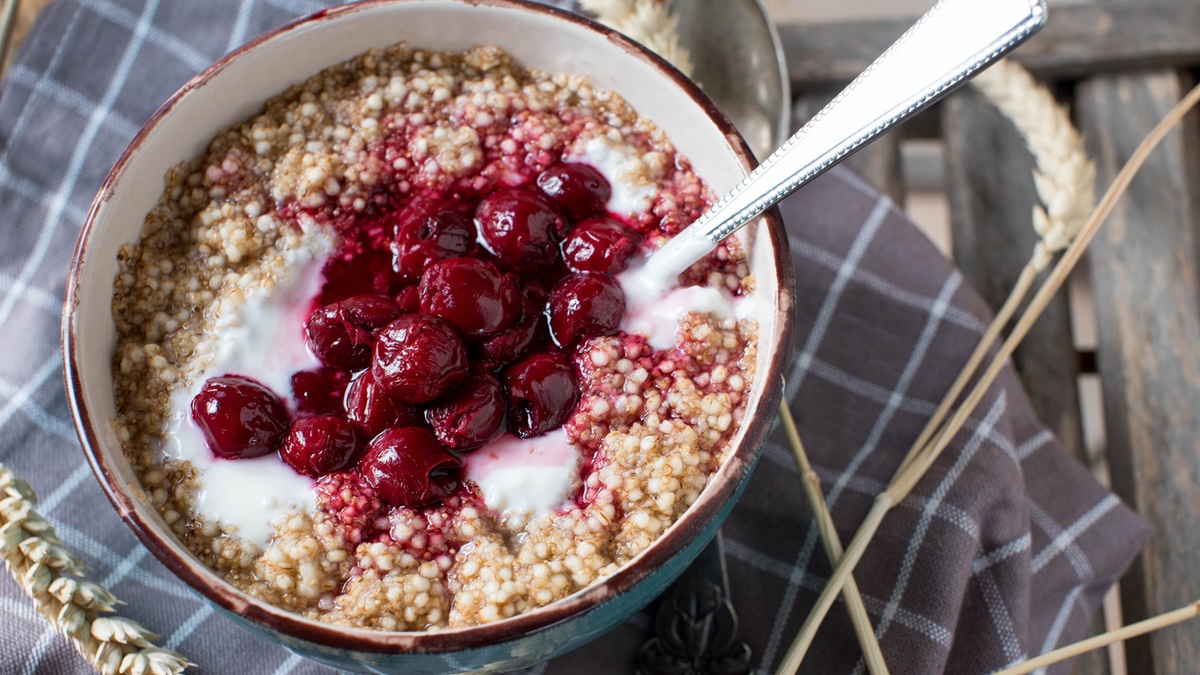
x: 1065, y: 180
x: 79, y: 609
x: 907, y: 478
x: 646, y: 21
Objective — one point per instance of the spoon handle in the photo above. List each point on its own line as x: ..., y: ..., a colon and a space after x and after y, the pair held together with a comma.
x: 946, y: 47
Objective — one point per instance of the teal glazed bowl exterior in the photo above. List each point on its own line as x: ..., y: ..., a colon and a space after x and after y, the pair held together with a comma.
x: 233, y: 89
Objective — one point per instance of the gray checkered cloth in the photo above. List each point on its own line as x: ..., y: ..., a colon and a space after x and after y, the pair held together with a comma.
x: 1003, y: 551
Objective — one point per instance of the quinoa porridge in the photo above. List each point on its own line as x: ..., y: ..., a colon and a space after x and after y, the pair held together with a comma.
x: 376, y: 364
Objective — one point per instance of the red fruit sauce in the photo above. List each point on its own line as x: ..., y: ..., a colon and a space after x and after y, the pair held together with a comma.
x: 437, y: 329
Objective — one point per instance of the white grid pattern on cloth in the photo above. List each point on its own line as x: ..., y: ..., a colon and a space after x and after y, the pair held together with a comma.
x: 169, y: 42
x: 20, y: 400
x: 238, y: 35
x: 832, y: 261
x: 815, y: 583
x: 796, y: 379
x: 1064, y: 542
x: 950, y: 513
x: 22, y: 396
x: 1060, y: 620
x: 882, y: 395
x: 893, y: 401
x: 845, y: 273
x: 300, y: 7
x: 34, y: 297
x: 1002, y: 618
x: 80, y: 103
x: 1077, y: 558
x: 1039, y: 441
x: 927, y: 513
x: 1065, y: 539
x: 61, y: 196
x: 30, y: 412
x: 999, y: 555
x: 33, y: 193
x: 193, y: 622
x: 863, y: 187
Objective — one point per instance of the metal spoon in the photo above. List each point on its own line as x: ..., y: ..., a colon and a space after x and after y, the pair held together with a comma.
x: 946, y: 47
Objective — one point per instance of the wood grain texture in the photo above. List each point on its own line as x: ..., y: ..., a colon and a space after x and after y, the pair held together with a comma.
x: 1147, y: 285
x: 1077, y: 40
x: 879, y: 161
x: 989, y: 183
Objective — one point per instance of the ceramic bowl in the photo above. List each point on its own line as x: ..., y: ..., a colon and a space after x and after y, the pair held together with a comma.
x: 232, y: 90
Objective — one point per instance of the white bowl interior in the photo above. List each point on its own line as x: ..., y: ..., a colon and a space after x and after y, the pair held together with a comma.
x: 239, y: 89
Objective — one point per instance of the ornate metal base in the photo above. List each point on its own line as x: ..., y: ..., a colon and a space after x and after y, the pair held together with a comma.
x: 696, y: 628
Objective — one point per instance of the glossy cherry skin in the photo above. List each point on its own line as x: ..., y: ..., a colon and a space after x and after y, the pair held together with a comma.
x: 373, y: 411
x: 409, y: 300
x: 239, y: 417
x: 600, y: 245
x: 341, y: 335
x: 428, y: 230
x: 469, y: 416
x: 472, y: 295
x: 583, y: 306
x: 578, y: 189
x: 521, y: 228
x: 418, y: 358
x: 315, y: 446
x: 319, y: 392
x: 542, y: 392
x: 408, y: 467
x: 529, y: 335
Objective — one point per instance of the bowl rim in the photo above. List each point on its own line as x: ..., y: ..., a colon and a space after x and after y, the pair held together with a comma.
x: 217, y: 591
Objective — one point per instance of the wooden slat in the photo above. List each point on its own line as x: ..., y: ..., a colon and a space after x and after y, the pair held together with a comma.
x: 989, y: 183
x: 1077, y: 40
x: 879, y: 161
x: 1147, y: 284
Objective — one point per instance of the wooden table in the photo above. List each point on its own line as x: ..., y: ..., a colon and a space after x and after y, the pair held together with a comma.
x: 1121, y: 66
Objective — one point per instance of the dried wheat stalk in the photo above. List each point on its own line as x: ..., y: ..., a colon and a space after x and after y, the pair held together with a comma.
x: 1083, y: 646
x: 1065, y: 181
x: 908, y: 476
x: 79, y: 609
x: 1065, y: 178
x: 872, y: 652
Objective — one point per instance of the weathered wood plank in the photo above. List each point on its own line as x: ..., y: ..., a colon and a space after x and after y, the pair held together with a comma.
x: 989, y: 183
x: 879, y: 161
x: 1077, y: 40
x: 1147, y: 283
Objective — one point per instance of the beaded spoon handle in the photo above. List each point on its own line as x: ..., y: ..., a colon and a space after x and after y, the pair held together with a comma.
x: 946, y: 47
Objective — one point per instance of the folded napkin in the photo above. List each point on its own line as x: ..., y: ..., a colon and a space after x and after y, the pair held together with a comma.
x: 1003, y: 551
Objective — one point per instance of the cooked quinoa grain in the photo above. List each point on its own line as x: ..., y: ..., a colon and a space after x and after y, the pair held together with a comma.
x: 322, y: 164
